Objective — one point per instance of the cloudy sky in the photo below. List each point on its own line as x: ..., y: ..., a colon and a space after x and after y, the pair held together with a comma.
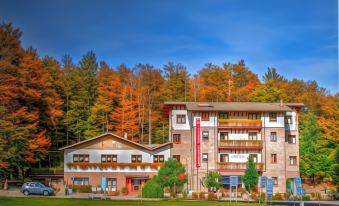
x: 298, y: 37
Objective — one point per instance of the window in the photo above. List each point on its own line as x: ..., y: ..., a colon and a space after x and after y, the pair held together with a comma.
x: 292, y: 139
x: 223, y: 115
x: 176, y: 157
x: 176, y: 139
x: 273, y: 158
x: 80, y: 158
x: 273, y: 137
x: 136, y: 158
x: 288, y: 119
x: 252, y: 136
x: 204, y: 157
x: 181, y: 119
x: 275, y: 181
x: 253, y: 116
x: 273, y: 117
x: 205, y: 116
x: 158, y: 158
x: 205, y: 135
x: 111, y: 184
x: 293, y: 160
x: 136, y: 184
x: 80, y: 181
x: 224, y: 158
x: 223, y: 135
x: 109, y: 158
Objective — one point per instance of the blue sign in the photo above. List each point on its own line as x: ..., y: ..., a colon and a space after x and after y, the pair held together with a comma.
x: 292, y: 187
x: 269, y: 187
x: 234, y: 181
x: 225, y: 180
x: 297, y: 182
x: 263, y: 181
x: 103, y: 183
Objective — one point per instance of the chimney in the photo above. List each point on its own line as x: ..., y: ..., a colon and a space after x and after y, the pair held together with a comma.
x: 125, y: 135
x: 281, y: 102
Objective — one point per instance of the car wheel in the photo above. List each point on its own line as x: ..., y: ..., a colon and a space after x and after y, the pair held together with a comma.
x: 45, y: 193
x: 26, y: 192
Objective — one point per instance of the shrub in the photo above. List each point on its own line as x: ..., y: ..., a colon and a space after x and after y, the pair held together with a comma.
x: 263, y: 197
x: 184, y: 195
x: 124, y: 190
x: 254, y: 196
x: 194, y: 195
x: 277, y: 196
x: 173, y: 194
x: 153, y: 189
x: 82, y: 188
x: 306, y: 198
x: 211, y: 196
x: 202, y: 195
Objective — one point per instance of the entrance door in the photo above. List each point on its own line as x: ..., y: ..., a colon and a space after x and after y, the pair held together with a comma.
x: 112, y: 184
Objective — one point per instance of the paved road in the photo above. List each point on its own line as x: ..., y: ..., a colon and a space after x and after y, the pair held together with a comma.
x: 306, y: 203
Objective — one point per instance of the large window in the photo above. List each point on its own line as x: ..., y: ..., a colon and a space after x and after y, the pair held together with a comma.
x: 109, y: 158
x: 223, y: 135
x: 273, y: 117
x: 253, y: 116
x: 224, y: 158
x: 80, y: 158
x: 275, y: 181
x: 292, y: 139
x: 111, y: 184
x: 273, y: 136
x: 176, y: 139
x: 293, y: 160
x: 288, y: 120
x: 158, y: 158
x: 181, y: 119
x: 205, y: 116
x: 176, y: 157
x: 80, y: 181
x: 252, y: 136
x: 136, y: 158
x: 274, y: 158
x: 223, y: 115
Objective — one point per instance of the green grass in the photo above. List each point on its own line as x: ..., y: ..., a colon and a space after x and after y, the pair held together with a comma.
x: 36, y: 201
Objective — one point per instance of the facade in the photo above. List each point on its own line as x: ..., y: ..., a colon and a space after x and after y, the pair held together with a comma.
x: 229, y: 134
x: 115, y: 160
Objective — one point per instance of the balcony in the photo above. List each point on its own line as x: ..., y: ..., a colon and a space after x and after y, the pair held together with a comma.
x: 240, y: 144
x: 112, y: 165
x: 236, y: 166
x: 239, y: 124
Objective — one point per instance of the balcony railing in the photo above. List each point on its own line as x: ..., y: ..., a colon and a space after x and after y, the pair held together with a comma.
x: 237, y: 166
x: 112, y: 165
x: 241, y: 144
x: 240, y: 123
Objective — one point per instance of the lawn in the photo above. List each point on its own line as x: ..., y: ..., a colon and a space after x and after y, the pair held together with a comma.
x: 36, y: 201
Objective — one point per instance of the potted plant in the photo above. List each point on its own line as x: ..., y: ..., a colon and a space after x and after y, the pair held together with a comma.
x: 124, y: 191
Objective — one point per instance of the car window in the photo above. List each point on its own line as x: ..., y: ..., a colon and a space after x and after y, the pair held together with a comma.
x: 40, y: 185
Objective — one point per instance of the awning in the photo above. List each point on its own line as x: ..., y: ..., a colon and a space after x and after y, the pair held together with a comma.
x: 138, y: 177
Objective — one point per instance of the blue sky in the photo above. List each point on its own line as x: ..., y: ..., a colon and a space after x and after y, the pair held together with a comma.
x: 298, y: 37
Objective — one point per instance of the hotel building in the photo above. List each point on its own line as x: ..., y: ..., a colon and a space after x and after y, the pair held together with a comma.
x: 229, y: 134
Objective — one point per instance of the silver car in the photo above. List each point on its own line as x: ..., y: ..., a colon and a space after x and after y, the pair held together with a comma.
x: 36, y: 188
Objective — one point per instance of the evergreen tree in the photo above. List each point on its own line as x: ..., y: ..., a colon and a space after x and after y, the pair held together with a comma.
x: 213, y: 181
x: 251, y: 175
x: 169, y: 174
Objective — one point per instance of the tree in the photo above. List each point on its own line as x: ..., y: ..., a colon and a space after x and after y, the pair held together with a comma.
x: 273, y: 75
x: 251, y: 175
x: 213, y: 181
x: 335, y: 168
x: 266, y: 93
x: 153, y: 189
x: 169, y: 174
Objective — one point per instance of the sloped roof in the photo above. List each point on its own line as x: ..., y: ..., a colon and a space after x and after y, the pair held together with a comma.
x: 150, y: 147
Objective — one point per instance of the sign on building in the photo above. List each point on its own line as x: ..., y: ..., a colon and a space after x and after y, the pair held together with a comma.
x: 263, y: 181
x: 197, y: 143
x: 299, y: 189
x: 269, y: 187
x: 234, y: 181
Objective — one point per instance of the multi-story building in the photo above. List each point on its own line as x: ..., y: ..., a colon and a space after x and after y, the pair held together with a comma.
x: 114, y: 160
x: 230, y: 133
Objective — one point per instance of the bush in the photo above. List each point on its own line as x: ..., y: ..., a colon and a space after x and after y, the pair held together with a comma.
x: 194, y: 195
x: 254, y: 196
x: 211, y: 196
x: 153, y: 189
x: 202, y: 195
x: 306, y: 198
x: 277, y: 196
x: 82, y: 188
x: 184, y: 195
x: 173, y: 194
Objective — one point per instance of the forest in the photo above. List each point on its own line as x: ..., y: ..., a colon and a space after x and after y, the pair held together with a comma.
x: 46, y: 103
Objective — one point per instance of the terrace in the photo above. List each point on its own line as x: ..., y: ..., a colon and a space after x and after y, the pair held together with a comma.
x: 239, y: 124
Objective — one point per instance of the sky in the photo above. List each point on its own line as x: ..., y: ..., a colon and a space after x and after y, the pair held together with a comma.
x: 298, y: 37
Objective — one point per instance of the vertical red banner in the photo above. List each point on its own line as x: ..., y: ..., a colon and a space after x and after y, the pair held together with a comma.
x: 197, y: 143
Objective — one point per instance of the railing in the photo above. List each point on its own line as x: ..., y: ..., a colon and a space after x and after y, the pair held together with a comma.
x: 240, y: 143
x: 224, y: 166
x: 112, y: 165
x: 234, y: 123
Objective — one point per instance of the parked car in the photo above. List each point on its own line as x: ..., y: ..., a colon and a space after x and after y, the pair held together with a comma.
x: 36, y: 188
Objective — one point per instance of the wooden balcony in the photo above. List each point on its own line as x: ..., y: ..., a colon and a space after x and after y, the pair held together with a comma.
x: 240, y: 144
x: 112, y: 165
x: 239, y: 124
x: 236, y: 166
